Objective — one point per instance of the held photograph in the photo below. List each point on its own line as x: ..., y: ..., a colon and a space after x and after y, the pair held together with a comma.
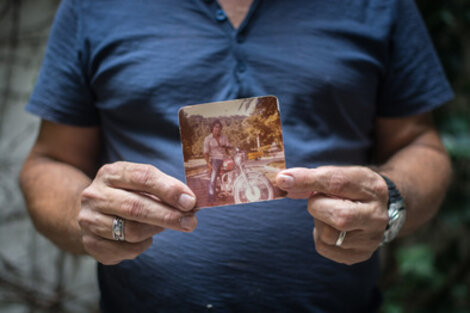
x: 232, y: 150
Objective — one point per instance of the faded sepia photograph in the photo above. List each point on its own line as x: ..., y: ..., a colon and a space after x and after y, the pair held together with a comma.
x: 96, y: 214
x: 232, y: 150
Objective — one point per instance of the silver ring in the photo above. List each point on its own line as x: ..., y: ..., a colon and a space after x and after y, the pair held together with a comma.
x: 340, y: 239
x: 118, y: 229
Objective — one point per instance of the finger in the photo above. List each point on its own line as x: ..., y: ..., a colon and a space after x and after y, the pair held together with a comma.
x: 147, y: 178
x: 110, y: 252
x: 353, y: 182
x: 356, y: 239
x: 340, y: 254
x: 347, y: 215
x: 137, y: 207
x: 102, y: 225
x: 341, y: 214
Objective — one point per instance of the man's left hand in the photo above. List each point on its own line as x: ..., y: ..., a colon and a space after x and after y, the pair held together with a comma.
x: 349, y: 199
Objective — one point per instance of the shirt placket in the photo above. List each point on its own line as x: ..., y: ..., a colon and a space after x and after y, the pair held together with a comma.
x: 237, y: 38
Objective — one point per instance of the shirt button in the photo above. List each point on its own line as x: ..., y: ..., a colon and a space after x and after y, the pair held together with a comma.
x: 240, y: 38
x: 220, y: 16
x: 241, y: 67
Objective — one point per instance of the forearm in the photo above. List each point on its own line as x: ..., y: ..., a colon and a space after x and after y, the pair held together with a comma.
x: 422, y: 173
x: 52, y: 192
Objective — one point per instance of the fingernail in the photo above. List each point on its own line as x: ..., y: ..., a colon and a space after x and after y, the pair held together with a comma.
x: 286, y: 181
x: 188, y: 222
x: 186, y: 202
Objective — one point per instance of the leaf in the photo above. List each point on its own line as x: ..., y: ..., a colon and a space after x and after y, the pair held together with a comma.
x: 417, y: 261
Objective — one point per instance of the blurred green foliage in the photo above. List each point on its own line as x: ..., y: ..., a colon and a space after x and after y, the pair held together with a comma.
x: 430, y: 271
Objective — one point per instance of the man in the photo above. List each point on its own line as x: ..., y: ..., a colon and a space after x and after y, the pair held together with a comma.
x: 356, y: 81
x: 214, y: 152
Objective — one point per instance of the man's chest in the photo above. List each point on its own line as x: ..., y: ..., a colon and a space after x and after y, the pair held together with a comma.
x: 153, y: 62
x: 218, y: 143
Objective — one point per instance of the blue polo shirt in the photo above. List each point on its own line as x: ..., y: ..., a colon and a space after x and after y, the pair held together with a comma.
x: 128, y: 66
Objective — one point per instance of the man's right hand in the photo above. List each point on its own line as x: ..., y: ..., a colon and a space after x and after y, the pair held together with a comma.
x: 148, y: 201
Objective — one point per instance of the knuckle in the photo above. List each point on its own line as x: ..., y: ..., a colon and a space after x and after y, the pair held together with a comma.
x: 380, y: 189
x: 384, y: 220
x: 93, y: 196
x: 171, y: 218
x: 316, y: 205
x: 171, y: 191
x: 89, y: 193
x: 380, y: 217
x: 143, y: 174
x: 134, y: 208
x: 90, y: 244
x: 110, y: 173
x: 312, y: 205
x: 337, y: 182
x: 108, y: 169
x: 309, y: 178
x: 343, y: 219
x: 84, y: 219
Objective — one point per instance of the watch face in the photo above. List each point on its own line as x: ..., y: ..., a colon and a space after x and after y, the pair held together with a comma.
x: 396, y: 211
x: 397, y: 216
x: 396, y: 223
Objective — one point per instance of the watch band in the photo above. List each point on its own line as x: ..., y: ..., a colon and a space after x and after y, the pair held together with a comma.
x: 393, y: 193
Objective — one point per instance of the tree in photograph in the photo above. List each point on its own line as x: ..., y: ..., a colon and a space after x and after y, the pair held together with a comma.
x: 264, y: 124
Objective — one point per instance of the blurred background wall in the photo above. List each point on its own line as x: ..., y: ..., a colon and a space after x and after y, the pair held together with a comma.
x: 427, y: 272
x: 34, y: 275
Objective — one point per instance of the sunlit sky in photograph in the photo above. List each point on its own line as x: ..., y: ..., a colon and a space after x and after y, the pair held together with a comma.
x: 224, y: 108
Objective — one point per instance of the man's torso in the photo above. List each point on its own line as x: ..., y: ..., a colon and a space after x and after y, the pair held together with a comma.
x: 216, y: 146
x: 140, y: 61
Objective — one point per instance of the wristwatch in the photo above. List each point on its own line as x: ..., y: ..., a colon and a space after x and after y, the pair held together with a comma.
x: 396, y: 212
